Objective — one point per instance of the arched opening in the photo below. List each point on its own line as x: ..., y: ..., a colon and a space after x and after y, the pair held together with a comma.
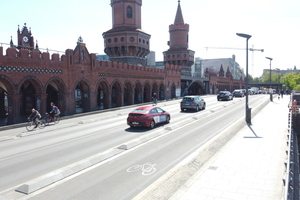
x: 128, y: 94
x: 28, y: 99
x: 129, y: 12
x: 102, y: 96
x: 138, y: 93
x: 3, y: 103
x: 82, y: 102
x: 155, y: 90
x: 195, y: 89
x: 52, y: 95
x: 116, y: 95
x: 161, y: 95
x: 56, y: 93
x: 147, y: 93
x: 173, y: 91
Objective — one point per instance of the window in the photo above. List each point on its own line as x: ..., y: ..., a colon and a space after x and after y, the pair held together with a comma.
x: 116, y: 39
x: 129, y: 12
x: 153, y: 111
x: 82, y: 55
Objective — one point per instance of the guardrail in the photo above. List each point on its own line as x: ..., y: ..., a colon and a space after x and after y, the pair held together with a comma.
x: 291, y: 178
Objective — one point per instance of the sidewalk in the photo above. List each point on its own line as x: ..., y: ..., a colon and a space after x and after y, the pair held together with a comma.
x: 250, y: 166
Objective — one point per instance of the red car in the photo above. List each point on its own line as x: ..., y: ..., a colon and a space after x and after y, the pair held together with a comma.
x: 147, y: 116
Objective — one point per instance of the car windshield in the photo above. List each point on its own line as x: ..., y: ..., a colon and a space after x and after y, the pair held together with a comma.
x: 188, y: 99
x: 140, y: 111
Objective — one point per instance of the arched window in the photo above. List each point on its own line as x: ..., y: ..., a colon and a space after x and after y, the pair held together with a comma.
x: 82, y: 55
x: 129, y: 12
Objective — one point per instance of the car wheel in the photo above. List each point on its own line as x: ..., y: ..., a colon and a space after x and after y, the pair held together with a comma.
x: 182, y: 109
x: 168, y: 119
x: 197, y: 108
x: 152, y: 124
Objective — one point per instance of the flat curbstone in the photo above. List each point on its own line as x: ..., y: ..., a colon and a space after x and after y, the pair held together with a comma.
x: 52, y: 177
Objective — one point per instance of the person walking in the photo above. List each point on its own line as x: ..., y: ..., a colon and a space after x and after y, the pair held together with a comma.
x: 154, y: 98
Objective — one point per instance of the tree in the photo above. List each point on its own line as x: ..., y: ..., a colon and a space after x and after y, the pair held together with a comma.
x: 274, y: 77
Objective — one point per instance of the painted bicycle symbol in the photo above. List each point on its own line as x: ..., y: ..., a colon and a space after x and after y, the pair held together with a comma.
x: 146, y: 168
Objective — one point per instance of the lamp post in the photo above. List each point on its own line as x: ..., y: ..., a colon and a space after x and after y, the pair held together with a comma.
x: 278, y: 79
x: 248, y: 110
x: 270, y: 90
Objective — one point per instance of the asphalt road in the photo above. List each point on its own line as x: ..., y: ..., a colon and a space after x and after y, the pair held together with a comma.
x: 26, y: 156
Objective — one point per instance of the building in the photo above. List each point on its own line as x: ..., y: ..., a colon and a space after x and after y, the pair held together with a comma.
x: 151, y: 59
x: 126, y: 42
x: 102, y: 57
x: 77, y: 81
x: 223, y: 74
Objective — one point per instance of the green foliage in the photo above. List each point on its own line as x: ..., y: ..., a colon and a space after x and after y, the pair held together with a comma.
x: 290, y: 80
x: 256, y: 79
x: 250, y: 78
x: 297, y: 87
x: 275, y: 77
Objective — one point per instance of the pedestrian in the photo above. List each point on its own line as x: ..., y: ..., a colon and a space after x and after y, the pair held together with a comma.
x: 154, y: 98
x: 281, y: 92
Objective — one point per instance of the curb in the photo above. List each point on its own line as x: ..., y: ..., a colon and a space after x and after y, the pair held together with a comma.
x: 52, y: 177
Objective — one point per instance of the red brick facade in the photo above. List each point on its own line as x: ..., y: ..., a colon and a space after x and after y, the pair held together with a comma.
x: 33, y: 79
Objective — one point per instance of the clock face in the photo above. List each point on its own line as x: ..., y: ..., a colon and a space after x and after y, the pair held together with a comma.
x: 25, y: 38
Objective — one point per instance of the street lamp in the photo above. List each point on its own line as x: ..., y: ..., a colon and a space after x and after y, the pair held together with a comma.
x: 278, y: 79
x: 248, y: 110
x: 270, y: 90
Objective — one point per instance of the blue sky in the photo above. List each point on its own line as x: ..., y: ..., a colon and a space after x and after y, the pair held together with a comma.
x: 273, y: 24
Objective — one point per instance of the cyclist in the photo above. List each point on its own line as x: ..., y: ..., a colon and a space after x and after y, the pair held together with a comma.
x: 54, y: 111
x: 35, y: 116
x: 154, y: 98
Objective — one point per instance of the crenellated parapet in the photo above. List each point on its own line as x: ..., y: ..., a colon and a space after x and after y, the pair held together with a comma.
x: 71, y: 61
x: 30, y: 58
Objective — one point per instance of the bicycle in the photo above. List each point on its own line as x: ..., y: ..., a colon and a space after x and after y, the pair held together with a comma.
x: 31, y: 124
x: 147, y: 168
x: 49, y: 119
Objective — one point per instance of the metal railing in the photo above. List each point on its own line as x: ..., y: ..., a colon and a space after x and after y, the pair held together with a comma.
x: 291, y: 178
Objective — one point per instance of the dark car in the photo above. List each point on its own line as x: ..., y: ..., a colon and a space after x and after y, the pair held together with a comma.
x: 224, y: 95
x: 192, y: 102
x: 238, y: 93
x: 147, y: 116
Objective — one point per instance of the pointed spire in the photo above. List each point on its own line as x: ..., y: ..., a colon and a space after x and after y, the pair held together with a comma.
x: 36, y: 45
x: 179, y: 17
x: 11, y: 42
x: 228, y: 71
x: 221, y: 69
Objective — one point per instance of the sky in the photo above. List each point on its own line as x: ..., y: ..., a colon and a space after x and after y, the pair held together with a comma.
x: 273, y: 24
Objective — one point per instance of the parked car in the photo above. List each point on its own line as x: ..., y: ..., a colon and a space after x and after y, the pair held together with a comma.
x: 251, y: 92
x: 238, y: 93
x: 224, y: 95
x: 148, y: 116
x: 192, y: 102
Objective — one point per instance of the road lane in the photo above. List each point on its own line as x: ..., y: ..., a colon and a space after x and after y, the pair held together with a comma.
x: 111, y: 180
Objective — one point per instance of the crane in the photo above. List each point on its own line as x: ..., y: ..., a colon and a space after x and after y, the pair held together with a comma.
x: 250, y: 49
